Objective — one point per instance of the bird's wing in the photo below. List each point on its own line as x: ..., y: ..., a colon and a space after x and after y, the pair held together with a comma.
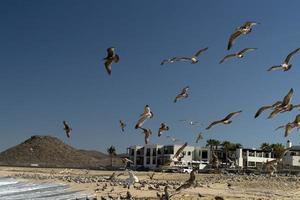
x: 116, y: 58
x: 180, y: 150
x: 226, y: 57
x: 200, y: 51
x: 231, y: 115
x: 287, y: 59
x: 183, y: 59
x: 259, y: 111
x: 214, y: 123
x: 288, y: 128
x: 183, y: 186
x: 274, y: 113
x: 249, y: 24
x: 287, y: 98
x: 140, y: 121
x: 246, y: 50
x: 279, y: 127
x: 232, y: 38
x: 108, y: 66
x: 297, y: 119
x: 275, y: 67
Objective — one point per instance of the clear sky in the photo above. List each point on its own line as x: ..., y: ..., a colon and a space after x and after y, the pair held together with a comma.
x: 51, y: 69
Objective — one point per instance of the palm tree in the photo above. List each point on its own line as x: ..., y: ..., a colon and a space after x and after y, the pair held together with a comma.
x: 213, y: 143
x: 112, y: 152
x: 265, y: 147
x: 278, y: 149
x: 226, y: 146
x: 238, y: 146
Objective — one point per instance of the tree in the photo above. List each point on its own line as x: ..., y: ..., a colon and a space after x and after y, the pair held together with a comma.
x: 278, y: 149
x: 112, y: 152
x: 265, y: 147
x: 213, y: 143
x: 227, y: 146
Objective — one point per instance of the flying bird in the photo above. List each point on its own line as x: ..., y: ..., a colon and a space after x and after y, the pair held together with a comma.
x: 194, y: 59
x: 285, y: 66
x: 292, y: 125
x: 67, y: 129
x: 239, y: 54
x: 183, y: 94
x: 131, y: 180
x: 226, y: 120
x: 173, y: 139
x: 179, y: 151
x: 147, y: 133
x: 190, y: 182
x: 122, y: 125
x: 199, y: 137
x: 143, y: 117
x: 163, y: 127
x: 242, y: 30
x: 262, y: 109
x: 110, y: 58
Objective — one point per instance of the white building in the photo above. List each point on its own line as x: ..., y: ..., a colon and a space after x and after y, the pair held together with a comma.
x: 152, y: 156
x: 292, y: 157
x: 252, y: 158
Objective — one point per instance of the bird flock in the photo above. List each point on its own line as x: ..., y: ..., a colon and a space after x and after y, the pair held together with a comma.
x: 276, y: 107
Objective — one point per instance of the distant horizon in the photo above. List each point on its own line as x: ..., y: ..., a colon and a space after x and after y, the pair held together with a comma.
x: 52, y: 69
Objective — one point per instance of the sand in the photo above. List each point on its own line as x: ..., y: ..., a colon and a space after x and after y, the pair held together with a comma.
x: 208, y: 185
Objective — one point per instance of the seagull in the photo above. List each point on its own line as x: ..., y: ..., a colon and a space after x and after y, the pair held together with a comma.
x: 173, y: 139
x: 67, y: 129
x: 226, y: 120
x: 190, y: 122
x: 178, y: 152
x: 284, y: 106
x: 290, y: 126
x: 193, y: 59
x: 199, y: 137
x: 242, y: 30
x: 111, y: 57
x: 190, y: 182
x: 126, y: 161
x: 279, y: 106
x: 285, y: 66
x: 146, y: 115
x: 183, y: 94
x: 147, y: 132
x: 239, y: 54
x: 122, y: 125
x: 131, y: 180
x: 260, y: 110
x: 163, y: 127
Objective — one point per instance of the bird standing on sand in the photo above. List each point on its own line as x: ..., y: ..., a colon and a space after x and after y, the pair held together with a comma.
x: 122, y: 125
x: 239, y: 54
x: 110, y: 58
x: 183, y: 94
x: 67, y: 129
x: 190, y: 182
x: 225, y: 121
x: 285, y: 66
x: 147, y: 133
x: 143, y: 117
x: 194, y: 59
x: 242, y: 30
x: 163, y: 127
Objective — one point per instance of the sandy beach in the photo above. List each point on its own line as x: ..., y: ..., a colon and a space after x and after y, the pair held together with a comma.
x: 208, y: 185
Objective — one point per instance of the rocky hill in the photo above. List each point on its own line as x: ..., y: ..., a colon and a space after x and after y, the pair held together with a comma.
x: 48, y: 151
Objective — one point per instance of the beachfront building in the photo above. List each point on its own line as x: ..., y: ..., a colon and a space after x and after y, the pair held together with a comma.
x: 153, y: 156
x: 291, y: 159
x: 253, y: 158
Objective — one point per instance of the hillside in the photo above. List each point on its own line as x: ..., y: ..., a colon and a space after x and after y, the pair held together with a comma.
x: 48, y: 151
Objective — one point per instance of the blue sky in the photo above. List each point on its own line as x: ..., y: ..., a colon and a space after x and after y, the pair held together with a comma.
x: 52, y: 70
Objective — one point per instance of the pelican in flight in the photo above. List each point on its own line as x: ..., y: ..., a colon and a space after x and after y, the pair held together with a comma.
x: 242, y: 30
x: 285, y: 66
x: 67, y: 129
x: 110, y: 58
x: 163, y: 127
x: 183, y: 94
x: 143, y: 117
x: 291, y: 125
x: 194, y: 59
x: 239, y: 54
x: 226, y: 120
